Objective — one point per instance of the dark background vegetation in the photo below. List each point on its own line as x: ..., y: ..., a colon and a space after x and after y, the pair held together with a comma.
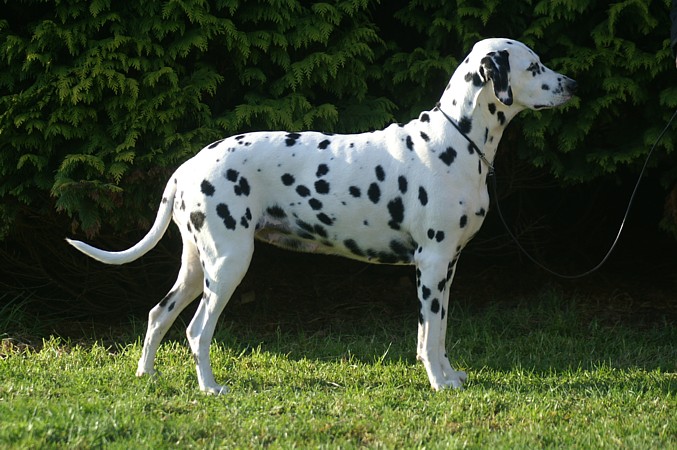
x: 100, y: 101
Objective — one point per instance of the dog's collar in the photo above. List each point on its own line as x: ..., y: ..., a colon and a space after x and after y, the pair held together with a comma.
x: 474, y: 146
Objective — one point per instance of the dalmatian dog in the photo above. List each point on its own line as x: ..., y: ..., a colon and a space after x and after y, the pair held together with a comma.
x: 412, y: 193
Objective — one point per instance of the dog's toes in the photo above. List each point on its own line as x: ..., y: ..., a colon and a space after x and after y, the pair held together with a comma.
x: 147, y: 373
x: 457, y: 379
x: 216, y: 390
x: 453, y: 381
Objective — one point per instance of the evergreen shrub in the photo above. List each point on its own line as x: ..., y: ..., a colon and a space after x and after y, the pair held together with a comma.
x: 101, y: 100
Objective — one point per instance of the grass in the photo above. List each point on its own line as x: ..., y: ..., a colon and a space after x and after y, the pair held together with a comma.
x: 542, y: 374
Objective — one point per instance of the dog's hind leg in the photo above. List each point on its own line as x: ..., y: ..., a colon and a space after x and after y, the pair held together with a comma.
x: 222, y: 274
x: 187, y: 287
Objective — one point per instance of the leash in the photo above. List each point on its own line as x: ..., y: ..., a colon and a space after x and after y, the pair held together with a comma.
x: 492, y: 175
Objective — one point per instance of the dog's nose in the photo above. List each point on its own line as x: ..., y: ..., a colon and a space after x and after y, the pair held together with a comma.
x: 571, y: 85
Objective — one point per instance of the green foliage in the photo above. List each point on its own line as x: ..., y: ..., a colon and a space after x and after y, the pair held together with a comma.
x: 101, y: 100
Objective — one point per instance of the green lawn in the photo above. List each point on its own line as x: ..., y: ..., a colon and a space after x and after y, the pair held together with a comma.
x: 542, y: 373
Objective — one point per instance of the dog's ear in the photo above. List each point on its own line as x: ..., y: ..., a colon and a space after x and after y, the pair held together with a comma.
x: 496, y: 67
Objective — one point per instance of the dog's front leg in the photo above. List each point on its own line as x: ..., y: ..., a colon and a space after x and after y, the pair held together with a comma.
x: 453, y: 377
x: 432, y: 281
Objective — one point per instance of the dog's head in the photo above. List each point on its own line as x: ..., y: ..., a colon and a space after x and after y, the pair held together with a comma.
x: 518, y: 76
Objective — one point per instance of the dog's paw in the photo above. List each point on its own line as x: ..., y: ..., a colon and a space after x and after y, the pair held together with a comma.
x: 454, y: 380
x: 216, y: 390
x: 147, y: 373
x: 457, y: 378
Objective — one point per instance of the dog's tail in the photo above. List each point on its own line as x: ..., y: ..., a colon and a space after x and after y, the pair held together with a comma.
x: 142, y: 247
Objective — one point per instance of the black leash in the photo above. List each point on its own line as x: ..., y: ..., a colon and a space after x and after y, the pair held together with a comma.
x: 492, y: 173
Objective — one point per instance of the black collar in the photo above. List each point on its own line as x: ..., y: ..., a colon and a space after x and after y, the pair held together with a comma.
x: 472, y: 144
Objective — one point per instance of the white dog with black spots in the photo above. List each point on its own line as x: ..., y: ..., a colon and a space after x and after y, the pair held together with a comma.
x: 410, y: 194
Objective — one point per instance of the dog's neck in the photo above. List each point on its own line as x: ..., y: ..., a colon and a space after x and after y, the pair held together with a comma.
x: 467, y: 103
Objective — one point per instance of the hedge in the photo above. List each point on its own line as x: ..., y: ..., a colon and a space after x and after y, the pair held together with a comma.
x: 101, y: 100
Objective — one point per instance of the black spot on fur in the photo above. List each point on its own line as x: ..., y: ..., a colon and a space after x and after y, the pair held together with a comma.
x: 231, y: 175
x: 355, y: 191
x: 439, y: 236
x: 242, y: 188
x: 492, y: 108
x: 374, y: 193
x: 501, y: 117
x: 481, y: 212
x: 302, y: 190
x: 425, y: 117
x: 425, y: 137
x: 380, y: 174
x: 244, y: 221
x: 425, y: 292
x: 477, y: 80
x: 435, y: 306
x: 464, y: 221
x: 291, y: 139
x: 383, y: 257
x: 288, y: 179
x: 215, y: 144
x: 431, y: 233
x: 403, y: 252
x: 315, y: 204
x: 325, y: 219
x: 320, y: 230
x: 471, y: 149
x: 322, y: 170
x: 422, y: 195
x: 353, y: 247
x: 324, y: 144
x: 207, y: 188
x: 223, y: 212
x: 165, y: 299
x: 277, y: 212
x: 465, y: 124
x: 164, y: 200
x: 197, y: 218
x: 448, y: 156
x: 474, y: 77
x: 402, y: 184
x: 396, y: 210
x: 321, y: 187
x: 442, y: 284
x: 305, y: 226
x: 410, y: 143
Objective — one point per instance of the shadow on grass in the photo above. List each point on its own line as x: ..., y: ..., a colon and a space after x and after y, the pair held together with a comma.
x: 540, y: 336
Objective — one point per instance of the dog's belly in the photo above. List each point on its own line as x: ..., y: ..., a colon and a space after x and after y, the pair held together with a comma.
x: 391, y: 248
